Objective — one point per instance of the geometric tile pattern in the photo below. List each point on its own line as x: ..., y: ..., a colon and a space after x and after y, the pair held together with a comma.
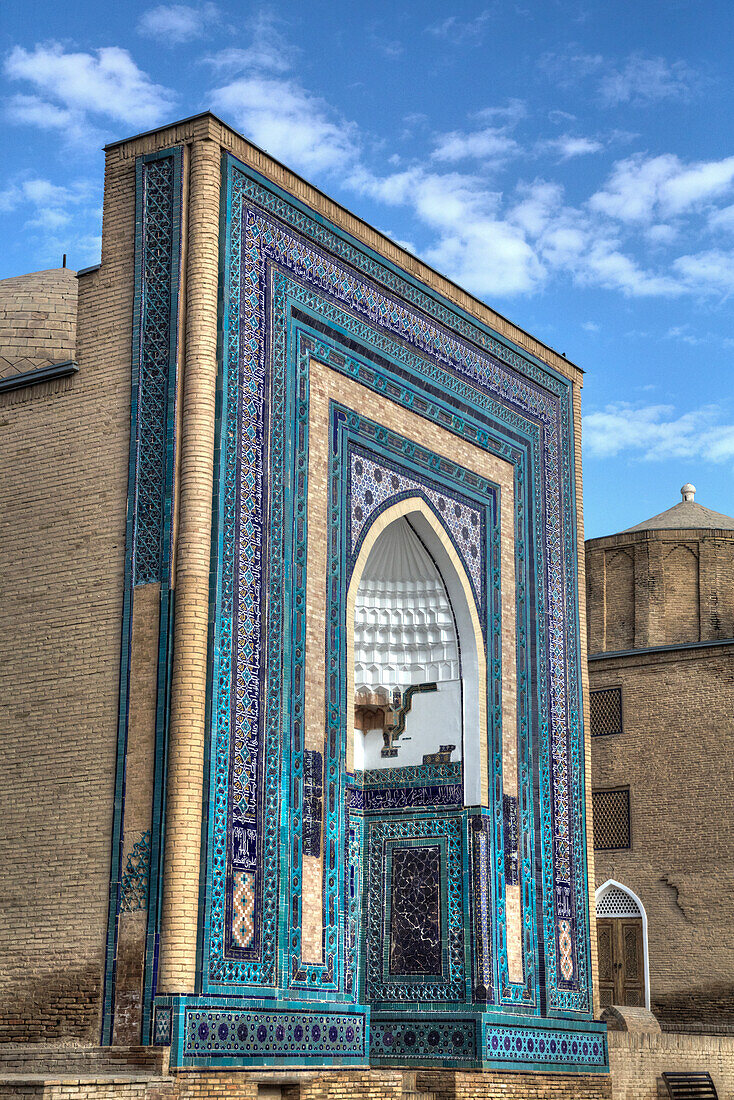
x: 243, y: 908
x: 545, y: 1046
x: 265, y: 1035
x: 415, y: 910
x: 611, y: 818
x: 136, y: 876
x: 154, y: 355
x: 372, y: 484
x: 162, y: 1027
x: 606, y: 711
x: 565, y: 944
x: 436, y: 969
x: 442, y: 1040
x: 154, y: 362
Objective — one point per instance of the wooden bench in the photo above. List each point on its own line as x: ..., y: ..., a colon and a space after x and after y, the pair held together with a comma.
x: 690, y: 1086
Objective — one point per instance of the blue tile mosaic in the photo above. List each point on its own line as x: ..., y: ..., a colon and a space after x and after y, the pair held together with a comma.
x: 425, y: 1041
x: 413, y: 904
x: 261, y: 1036
x: 162, y: 1026
x: 549, y: 1046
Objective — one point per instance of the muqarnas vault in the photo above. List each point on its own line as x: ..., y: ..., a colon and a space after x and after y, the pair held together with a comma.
x: 372, y: 849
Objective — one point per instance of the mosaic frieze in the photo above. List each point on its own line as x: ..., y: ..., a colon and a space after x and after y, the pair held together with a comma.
x: 471, y: 387
x: 441, y: 1040
x: 511, y: 827
x: 415, y: 775
x: 162, y: 1026
x: 313, y: 785
x: 481, y: 846
x: 382, y: 799
x: 261, y: 1036
x: 545, y: 1046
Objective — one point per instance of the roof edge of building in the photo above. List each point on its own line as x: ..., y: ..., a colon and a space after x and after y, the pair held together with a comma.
x: 303, y: 189
x: 658, y: 534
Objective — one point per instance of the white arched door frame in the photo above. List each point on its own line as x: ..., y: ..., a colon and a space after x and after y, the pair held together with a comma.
x: 612, y: 884
x: 429, y: 527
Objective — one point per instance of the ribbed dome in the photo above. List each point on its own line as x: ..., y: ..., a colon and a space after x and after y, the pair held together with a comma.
x: 685, y: 515
x: 403, y: 626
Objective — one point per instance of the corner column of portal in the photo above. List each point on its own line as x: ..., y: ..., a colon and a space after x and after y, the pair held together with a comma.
x: 179, y: 918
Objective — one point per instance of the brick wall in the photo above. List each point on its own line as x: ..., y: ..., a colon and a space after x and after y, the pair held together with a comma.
x: 663, y: 587
x: 677, y: 709
x: 637, y: 1062
x: 37, y: 320
x: 63, y: 455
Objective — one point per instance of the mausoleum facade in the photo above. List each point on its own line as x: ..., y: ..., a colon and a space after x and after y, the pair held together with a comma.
x: 339, y: 761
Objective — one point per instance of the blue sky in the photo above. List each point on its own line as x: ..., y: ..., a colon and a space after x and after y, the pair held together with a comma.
x: 569, y: 162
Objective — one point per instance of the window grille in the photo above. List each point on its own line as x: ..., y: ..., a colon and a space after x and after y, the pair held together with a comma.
x: 606, y: 711
x: 612, y: 819
x: 616, y: 903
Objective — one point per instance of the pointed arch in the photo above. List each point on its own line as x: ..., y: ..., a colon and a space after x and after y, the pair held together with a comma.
x: 615, y: 909
x: 430, y: 528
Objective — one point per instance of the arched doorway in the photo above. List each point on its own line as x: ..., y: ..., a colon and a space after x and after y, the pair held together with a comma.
x: 621, y: 929
x: 417, y: 656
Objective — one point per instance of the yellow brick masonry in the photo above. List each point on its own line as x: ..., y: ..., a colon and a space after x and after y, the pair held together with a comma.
x: 188, y: 692
x: 63, y: 456
x: 37, y: 320
x: 340, y: 1084
x: 583, y: 650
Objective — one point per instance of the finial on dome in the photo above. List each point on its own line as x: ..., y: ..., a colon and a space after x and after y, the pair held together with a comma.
x: 687, y: 491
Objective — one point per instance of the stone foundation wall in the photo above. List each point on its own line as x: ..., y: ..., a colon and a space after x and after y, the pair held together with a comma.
x: 371, y: 1084
x: 637, y: 1062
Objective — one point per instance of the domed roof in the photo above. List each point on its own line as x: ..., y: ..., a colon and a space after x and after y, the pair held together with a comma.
x: 685, y: 514
x: 37, y: 320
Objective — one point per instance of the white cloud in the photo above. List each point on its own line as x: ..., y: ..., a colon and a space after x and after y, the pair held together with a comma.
x: 475, y: 246
x: 722, y: 220
x: 268, y: 51
x: 656, y: 432
x: 569, y: 67
x: 58, y: 219
x: 73, y: 86
x: 32, y: 110
x: 48, y: 201
x: 569, y: 146
x: 712, y: 270
x: 174, y: 24
x: 590, y: 326
x: 281, y: 117
x: 642, y: 188
x: 639, y: 80
x: 644, y: 80
x: 462, y: 32
x: 480, y: 145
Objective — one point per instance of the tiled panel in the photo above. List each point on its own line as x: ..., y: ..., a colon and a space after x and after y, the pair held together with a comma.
x: 415, y: 911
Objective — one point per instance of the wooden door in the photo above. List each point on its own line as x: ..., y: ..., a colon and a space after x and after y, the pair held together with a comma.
x: 621, y: 961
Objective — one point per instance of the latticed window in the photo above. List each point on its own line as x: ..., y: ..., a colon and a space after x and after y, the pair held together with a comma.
x: 612, y: 818
x: 606, y: 711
